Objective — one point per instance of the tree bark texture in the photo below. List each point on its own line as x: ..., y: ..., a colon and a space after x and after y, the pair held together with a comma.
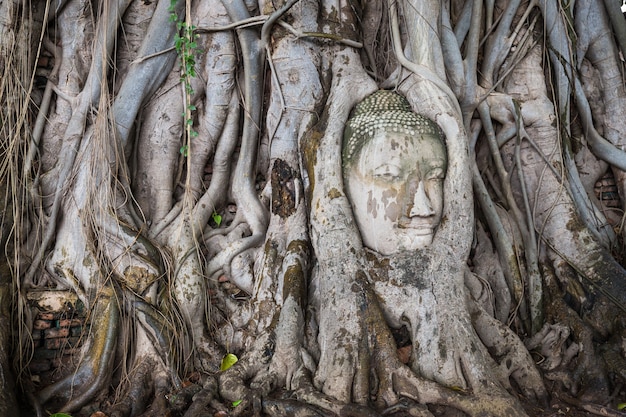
x: 177, y: 165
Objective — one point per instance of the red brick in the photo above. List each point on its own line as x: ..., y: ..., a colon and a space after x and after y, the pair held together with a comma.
x: 58, y: 332
x: 41, y: 324
x: 45, y: 316
x: 70, y: 322
x: 54, y: 343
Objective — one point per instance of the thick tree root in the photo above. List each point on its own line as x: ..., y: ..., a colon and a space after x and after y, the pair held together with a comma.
x: 416, y: 392
x: 94, y: 371
x: 307, y: 393
x: 202, y: 399
x: 396, y: 385
x: 398, y: 380
x: 512, y: 358
x: 145, y: 384
x: 496, y: 403
x: 289, y: 407
x: 233, y: 388
x: 588, y: 380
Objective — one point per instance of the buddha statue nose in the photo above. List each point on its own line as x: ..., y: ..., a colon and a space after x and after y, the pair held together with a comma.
x: 420, y: 206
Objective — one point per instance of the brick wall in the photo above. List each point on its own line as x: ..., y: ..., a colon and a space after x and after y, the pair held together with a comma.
x: 59, y: 320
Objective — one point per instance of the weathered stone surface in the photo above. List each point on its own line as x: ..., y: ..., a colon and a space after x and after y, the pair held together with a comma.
x: 53, y: 301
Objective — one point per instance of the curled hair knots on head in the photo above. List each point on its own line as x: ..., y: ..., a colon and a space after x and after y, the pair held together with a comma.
x: 383, y: 110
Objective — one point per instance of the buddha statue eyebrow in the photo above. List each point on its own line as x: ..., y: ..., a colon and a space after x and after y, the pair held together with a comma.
x: 388, y: 111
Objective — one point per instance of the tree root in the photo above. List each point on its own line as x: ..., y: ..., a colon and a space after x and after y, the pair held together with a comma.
x: 307, y: 393
x: 587, y: 367
x: 512, y: 357
x: 289, y: 407
x: 202, y: 398
x: 496, y: 403
x: 141, y: 389
x: 404, y: 406
x: 233, y: 388
x: 160, y: 333
x: 596, y: 409
x: 95, y: 370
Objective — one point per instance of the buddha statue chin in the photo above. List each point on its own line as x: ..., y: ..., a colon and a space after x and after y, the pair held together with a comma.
x: 394, y: 166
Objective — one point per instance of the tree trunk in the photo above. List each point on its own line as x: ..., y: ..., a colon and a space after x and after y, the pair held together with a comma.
x: 177, y: 165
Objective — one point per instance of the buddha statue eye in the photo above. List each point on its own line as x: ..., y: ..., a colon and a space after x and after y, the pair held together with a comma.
x: 387, y: 172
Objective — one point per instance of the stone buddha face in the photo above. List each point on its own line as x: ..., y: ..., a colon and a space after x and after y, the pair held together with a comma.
x: 393, y: 173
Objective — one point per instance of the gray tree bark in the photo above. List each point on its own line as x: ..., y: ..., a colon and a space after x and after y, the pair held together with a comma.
x: 177, y: 165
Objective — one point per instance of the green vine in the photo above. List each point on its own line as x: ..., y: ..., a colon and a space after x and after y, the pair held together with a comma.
x: 186, y: 46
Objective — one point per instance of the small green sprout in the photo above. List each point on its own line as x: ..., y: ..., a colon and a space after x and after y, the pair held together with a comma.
x: 216, y: 218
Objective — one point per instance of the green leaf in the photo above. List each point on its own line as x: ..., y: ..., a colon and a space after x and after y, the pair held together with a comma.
x: 236, y: 403
x: 191, y: 107
x: 218, y: 220
x: 60, y: 415
x: 228, y: 361
x: 621, y: 406
x: 184, y: 150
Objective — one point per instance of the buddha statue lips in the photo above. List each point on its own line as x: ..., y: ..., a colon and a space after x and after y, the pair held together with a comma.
x: 418, y: 227
x: 394, y: 166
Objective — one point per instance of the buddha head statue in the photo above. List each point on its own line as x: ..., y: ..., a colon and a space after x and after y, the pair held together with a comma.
x: 394, y: 164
